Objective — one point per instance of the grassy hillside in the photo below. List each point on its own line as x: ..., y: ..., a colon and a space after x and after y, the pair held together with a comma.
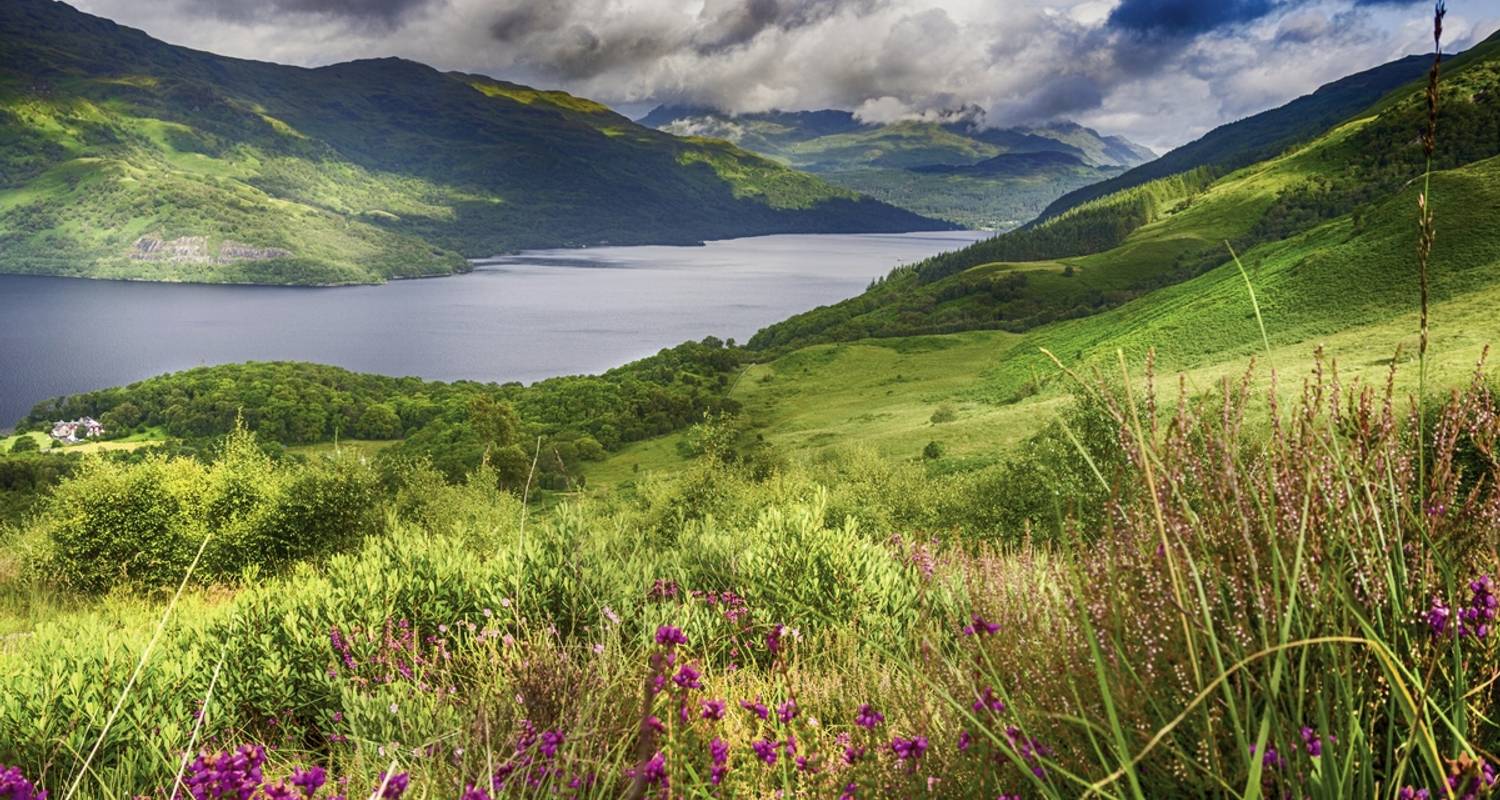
x: 956, y: 171
x: 1106, y: 252
x: 1262, y: 135
x: 818, y: 626
x: 124, y: 157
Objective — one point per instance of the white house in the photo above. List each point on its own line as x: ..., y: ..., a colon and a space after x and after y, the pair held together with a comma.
x: 77, y: 430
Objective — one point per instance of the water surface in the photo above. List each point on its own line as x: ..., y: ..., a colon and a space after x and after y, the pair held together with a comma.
x: 524, y: 317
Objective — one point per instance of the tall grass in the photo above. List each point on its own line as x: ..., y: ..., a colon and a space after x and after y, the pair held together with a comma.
x: 1272, y: 604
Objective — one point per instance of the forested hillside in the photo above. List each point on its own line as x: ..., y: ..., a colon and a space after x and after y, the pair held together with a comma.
x: 124, y: 157
x: 453, y: 426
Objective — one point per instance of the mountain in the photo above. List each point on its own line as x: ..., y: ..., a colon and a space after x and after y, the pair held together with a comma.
x: 1254, y: 138
x: 125, y: 157
x: 1338, y: 201
x: 904, y: 163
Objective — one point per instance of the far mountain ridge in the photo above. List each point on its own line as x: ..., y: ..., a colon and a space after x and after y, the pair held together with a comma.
x: 921, y: 164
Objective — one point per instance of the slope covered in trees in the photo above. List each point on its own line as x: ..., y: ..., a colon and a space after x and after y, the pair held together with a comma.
x: 124, y: 157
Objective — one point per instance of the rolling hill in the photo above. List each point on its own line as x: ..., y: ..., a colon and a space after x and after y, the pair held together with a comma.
x: 1260, y: 136
x: 924, y: 166
x: 1108, y: 251
x: 1326, y: 231
x: 125, y: 157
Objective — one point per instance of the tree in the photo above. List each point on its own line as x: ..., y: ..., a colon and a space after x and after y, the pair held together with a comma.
x: 379, y: 421
x: 494, y: 420
x: 25, y: 444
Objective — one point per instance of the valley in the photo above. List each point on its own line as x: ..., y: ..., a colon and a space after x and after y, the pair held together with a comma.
x: 963, y: 168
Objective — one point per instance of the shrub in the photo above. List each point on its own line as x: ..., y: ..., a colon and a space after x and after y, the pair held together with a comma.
x: 944, y: 413
x: 24, y: 444
x: 142, y: 524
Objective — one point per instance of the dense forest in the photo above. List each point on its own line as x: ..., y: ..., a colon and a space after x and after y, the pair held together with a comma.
x: 454, y: 426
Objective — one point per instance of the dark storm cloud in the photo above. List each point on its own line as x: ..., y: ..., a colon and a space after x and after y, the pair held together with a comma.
x: 1186, y: 17
x: 1195, y: 17
x: 730, y: 23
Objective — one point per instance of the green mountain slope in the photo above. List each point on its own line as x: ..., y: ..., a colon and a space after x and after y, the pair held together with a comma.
x: 920, y: 165
x: 1106, y: 252
x: 1262, y: 135
x: 121, y: 156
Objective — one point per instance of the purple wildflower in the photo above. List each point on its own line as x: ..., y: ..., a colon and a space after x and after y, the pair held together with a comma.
x: 718, y: 750
x: 668, y: 635
x: 1270, y: 759
x: 1437, y: 617
x: 980, y: 626
x: 551, y: 740
x: 988, y: 701
x: 1475, y: 619
x: 853, y: 754
x: 1313, y: 741
x: 787, y: 711
x: 655, y: 769
x: 773, y: 639
x: 757, y: 708
x: 14, y: 786
x: 712, y: 709
x: 868, y: 717
x: 765, y: 750
x: 309, y: 781
x: 909, y: 749
x: 688, y: 677
x: 964, y: 741
x: 231, y: 774
x: 474, y: 793
x: 395, y: 785
x: 1412, y: 793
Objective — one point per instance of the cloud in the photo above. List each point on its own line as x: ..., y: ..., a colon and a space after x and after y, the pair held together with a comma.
x: 1178, y: 17
x: 1158, y: 71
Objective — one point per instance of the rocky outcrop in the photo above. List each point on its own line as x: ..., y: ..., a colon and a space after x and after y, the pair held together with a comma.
x: 197, y: 250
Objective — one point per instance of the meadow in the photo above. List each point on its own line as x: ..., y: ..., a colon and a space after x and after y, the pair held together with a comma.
x: 1227, y: 602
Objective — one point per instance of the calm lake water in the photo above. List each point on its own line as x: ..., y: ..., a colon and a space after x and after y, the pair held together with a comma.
x: 524, y: 317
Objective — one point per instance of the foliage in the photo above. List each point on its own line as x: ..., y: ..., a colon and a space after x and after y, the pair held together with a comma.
x: 111, y: 523
x: 452, y: 425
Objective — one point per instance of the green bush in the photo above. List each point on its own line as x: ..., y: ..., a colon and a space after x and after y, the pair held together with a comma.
x: 142, y: 524
x: 24, y: 444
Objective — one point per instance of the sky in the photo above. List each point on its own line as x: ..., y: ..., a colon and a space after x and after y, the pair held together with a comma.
x: 1161, y: 72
